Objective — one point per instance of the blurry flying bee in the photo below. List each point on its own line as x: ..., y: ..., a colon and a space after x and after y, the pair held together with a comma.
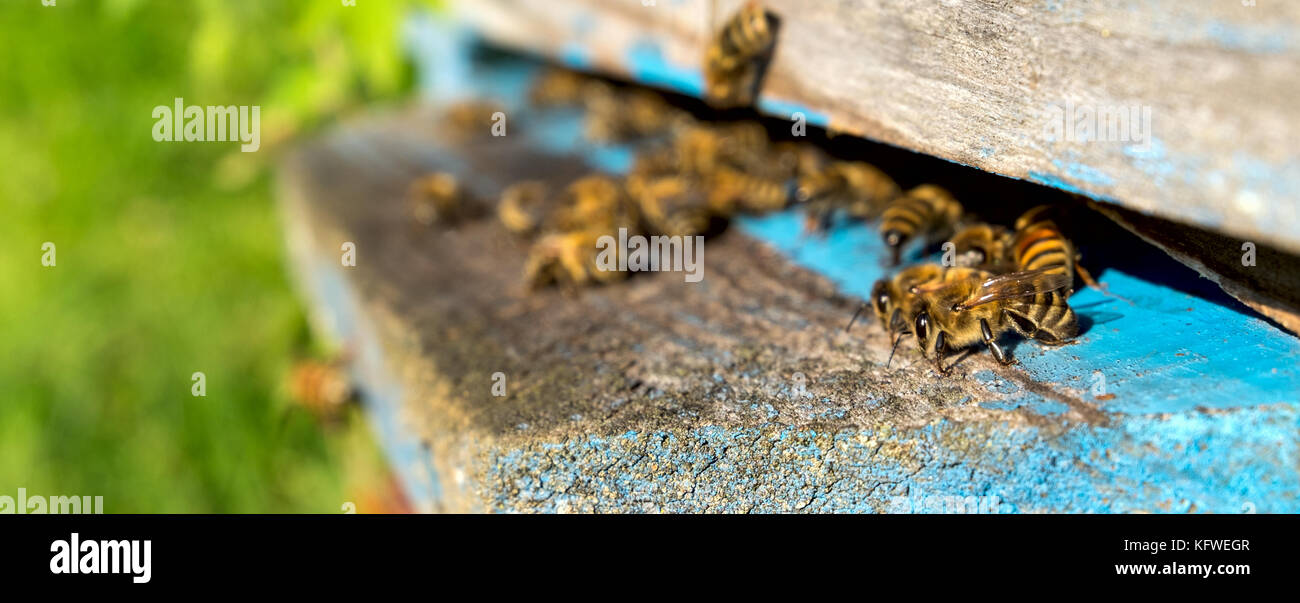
x: 974, y: 306
x: 567, y: 258
x: 522, y: 207
x: 857, y: 187
x: 734, y: 62
x: 928, y: 212
x: 321, y: 388
x: 436, y: 198
x: 984, y: 246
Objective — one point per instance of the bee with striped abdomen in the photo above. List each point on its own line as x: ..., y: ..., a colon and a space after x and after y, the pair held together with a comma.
x: 672, y: 205
x: 732, y: 190
x: 984, y: 246
x: 734, y: 61
x: 979, y: 306
x: 927, y: 212
x: 699, y: 150
x: 857, y: 187
x: 594, y: 201
x: 1039, y: 244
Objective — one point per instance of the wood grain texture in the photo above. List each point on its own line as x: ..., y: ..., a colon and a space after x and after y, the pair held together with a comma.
x: 975, y: 83
x: 447, y: 308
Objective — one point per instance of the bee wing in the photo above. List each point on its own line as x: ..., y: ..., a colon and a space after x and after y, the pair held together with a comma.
x: 1016, y: 284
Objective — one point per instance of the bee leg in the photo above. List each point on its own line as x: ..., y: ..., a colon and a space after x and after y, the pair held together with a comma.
x: 993, y: 344
x: 855, y: 316
x: 896, y: 321
x: 940, y: 350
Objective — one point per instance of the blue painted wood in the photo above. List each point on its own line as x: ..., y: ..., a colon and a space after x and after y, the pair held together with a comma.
x: 1204, y: 415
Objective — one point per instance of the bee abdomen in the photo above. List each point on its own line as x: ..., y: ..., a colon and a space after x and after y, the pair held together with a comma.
x: 1046, y: 317
x: 1044, y: 248
x: 747, y: 35
x: 906, y: 217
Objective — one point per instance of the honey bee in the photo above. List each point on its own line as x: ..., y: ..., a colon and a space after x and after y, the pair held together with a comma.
x: 699, y: 150
x: 436, y: 198
x: 984, y: 246
x: 606, y: 120
x: 734, y: 62
x: 567, y: 258
x: 796, y: 159
x: 977, y: 306
x: 859, y: 188
x: 1039, y: 244
x: 557, y: 87
x: 732, y: 190
x: 927, y: 211
x: 321, y: 388
x: 621, y: 116
x: 892, y: 299
x: 471, y: 118
x: 673, y: 205
x: 745, y: 142
x: 592, y: 202
x: 522, y: 207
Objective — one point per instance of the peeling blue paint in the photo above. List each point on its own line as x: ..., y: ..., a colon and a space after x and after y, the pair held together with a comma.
x: 1157, y: 354
x: 382, y: 394
x: 1079, y: 172
x: 1204, y: 407
x: 1192, y: 462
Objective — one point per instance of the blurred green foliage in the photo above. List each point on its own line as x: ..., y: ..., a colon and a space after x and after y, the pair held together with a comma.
x: 170, y: 255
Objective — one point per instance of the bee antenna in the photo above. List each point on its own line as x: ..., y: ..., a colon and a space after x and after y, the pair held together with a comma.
x: 855, y: 317
x: 893, y: 349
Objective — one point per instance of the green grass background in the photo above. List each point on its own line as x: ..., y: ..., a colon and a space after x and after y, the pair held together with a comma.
x: 170, y: 255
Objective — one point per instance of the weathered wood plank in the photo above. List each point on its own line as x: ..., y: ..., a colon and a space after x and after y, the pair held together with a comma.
x: 656, y: 354
x: 660, y: 395
x: 977, y: 83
